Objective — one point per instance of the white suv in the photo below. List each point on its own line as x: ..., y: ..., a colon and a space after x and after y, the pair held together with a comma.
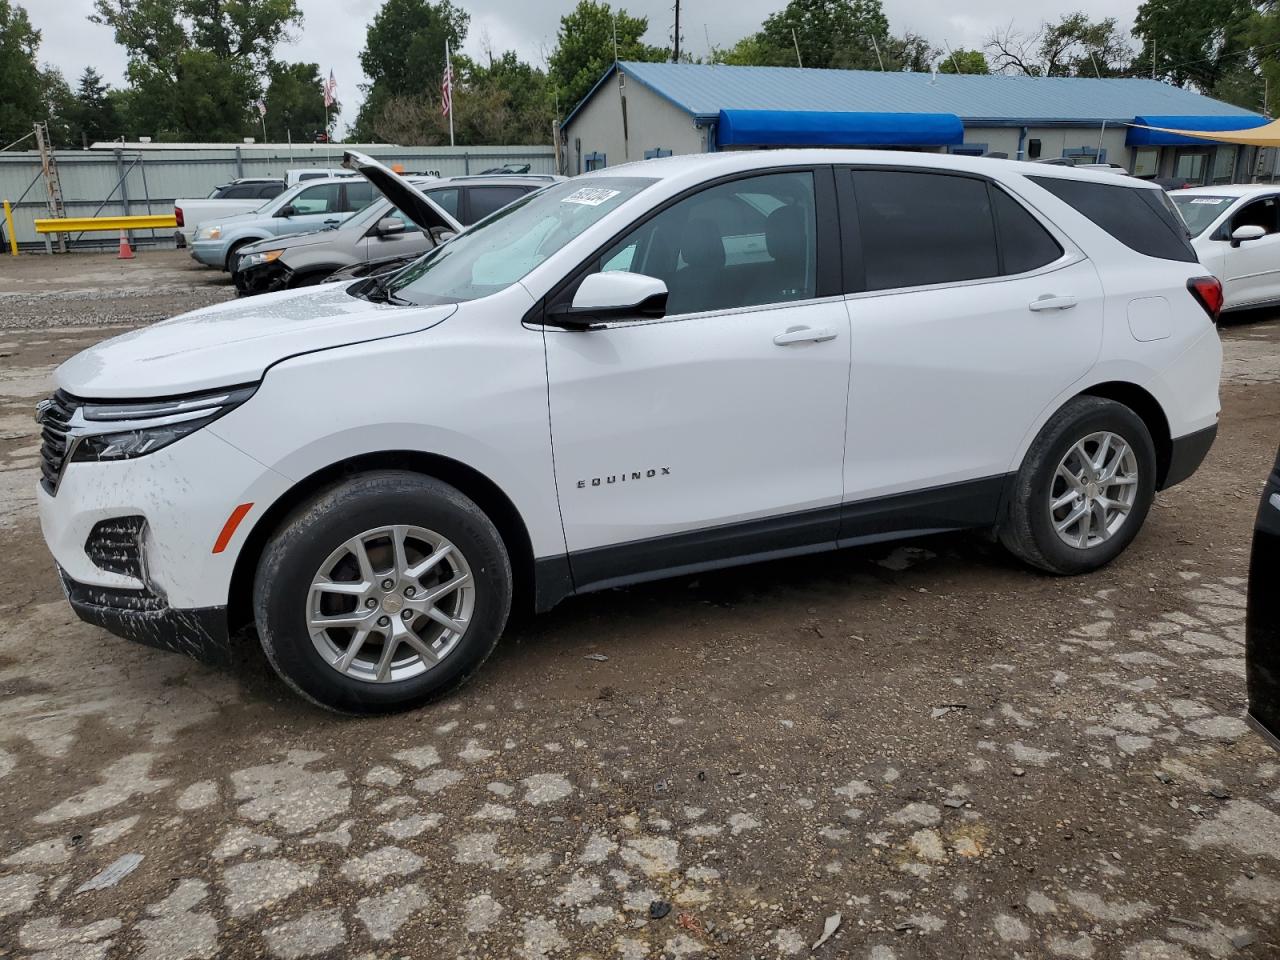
x: 650, y: 370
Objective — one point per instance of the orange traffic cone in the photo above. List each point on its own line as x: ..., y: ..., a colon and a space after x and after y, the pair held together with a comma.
x: 126, y: 251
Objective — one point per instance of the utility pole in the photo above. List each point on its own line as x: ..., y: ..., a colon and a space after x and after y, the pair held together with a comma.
x: 52, y: 187
x: 675, y: 43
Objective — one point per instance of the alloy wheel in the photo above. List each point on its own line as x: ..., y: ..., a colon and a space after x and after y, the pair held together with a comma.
x: 1093, y: 490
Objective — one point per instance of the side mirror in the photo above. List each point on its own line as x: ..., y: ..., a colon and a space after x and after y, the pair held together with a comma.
x: 1246, y: 233
x: 288, y: 210
x: 615, y: 295
x: 389, y: 225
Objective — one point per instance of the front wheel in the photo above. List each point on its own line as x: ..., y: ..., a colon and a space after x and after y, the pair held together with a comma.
x: 1084, y: 488
x: 382, y: 592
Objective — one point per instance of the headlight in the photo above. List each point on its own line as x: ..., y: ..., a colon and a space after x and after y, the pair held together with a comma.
x: 257, y: 259
x: 122, y: 431
x: 209, y: 233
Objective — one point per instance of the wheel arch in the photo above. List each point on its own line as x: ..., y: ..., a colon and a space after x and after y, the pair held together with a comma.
x: 487, y: 495
x: 1146, y: 406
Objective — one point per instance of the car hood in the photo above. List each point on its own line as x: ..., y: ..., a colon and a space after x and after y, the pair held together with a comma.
x: 411, y: 201
x: 288, y: 241
x: 235, y: 342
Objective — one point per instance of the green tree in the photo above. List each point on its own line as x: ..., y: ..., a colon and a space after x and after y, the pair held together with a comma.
x: 585, y: 48
x: 295, y: 102
x: 21, y: 97
x: 1195, y: 41
x: 194, y: 65
x: 1073, y: 46
x: 964, y: 61
x: 910, y: 52
x: 92, y: 115
x: 403, y: 54
x: 850, y: 34
x: 59, y: 107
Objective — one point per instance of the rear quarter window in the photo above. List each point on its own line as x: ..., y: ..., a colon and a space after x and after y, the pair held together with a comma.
x: 1140, y: 218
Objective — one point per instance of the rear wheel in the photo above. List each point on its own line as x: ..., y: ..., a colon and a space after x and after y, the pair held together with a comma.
x: 1084, y: 488
x: 382, y: 593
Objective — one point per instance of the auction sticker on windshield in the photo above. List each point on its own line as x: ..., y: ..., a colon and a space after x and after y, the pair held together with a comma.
x: 1214, y: 201
x: 590, y: 196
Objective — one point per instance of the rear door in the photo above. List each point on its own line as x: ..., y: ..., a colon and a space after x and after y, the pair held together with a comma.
x: 969, y: 316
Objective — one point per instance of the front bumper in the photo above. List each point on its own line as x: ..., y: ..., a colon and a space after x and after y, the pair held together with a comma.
x: 212, y: 253
x: 1262, y: 622
x: 262, y: 278
x: 143, y: 617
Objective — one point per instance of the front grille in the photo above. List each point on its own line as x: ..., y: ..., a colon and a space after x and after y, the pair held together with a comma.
x: 55, y: 420
x: 115, y: 545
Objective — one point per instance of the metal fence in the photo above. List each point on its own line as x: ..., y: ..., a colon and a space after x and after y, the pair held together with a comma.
x: 129, y: 179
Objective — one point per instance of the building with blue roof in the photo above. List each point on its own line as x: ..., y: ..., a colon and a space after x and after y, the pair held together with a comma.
x: 641, y: 110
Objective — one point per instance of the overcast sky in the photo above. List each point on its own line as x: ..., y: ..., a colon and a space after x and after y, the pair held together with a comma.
x: 333, y: 30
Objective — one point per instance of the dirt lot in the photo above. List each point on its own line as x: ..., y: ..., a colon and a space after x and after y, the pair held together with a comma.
x: 951, y: 756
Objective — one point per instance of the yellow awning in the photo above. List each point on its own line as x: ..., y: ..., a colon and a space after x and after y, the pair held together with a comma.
x: 1267, y: 135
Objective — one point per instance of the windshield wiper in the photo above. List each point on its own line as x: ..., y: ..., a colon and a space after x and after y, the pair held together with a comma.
x: 377, y: 291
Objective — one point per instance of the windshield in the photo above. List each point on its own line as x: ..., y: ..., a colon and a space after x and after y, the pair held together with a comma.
x: 501, y: 249
x: 1200, y: 211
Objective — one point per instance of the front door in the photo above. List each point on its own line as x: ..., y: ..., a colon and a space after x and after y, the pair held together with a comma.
x: 716, y: 432
x: 408, y: 242
x: 959, y: 342
x: 1251, y: 271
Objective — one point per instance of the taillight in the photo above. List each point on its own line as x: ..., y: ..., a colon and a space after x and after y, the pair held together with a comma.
x: 1208, y: 293
x: 177, y: 215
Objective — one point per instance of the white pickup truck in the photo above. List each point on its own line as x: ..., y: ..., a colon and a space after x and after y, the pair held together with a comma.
x: 238, y: 196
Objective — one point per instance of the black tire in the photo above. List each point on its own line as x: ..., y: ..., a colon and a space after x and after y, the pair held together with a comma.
x: 1028, y: 529
x: 316, y: 528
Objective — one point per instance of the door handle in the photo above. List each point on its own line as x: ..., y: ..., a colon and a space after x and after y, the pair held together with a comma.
x: 1050, y: 302
x: 804, y: 335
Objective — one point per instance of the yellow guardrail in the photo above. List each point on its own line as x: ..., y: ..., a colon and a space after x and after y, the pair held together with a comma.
x: 88, y: 224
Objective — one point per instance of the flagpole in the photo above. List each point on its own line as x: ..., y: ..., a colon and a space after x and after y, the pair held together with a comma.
x: 448, y: 66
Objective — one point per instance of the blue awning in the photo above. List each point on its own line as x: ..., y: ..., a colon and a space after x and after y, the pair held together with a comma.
x: 1138, y: 137
x: 819, y: 128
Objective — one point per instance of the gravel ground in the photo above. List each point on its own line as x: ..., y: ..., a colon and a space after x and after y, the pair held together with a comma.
x: 924, y: 748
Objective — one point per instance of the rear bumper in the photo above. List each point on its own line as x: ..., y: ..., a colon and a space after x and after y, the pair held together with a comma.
x: 144, y: 617
x: 1186, y: 455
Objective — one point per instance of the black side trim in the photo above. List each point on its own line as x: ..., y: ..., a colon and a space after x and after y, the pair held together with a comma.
x: 726, y: 545
x: 1186, y: 454
x: 141, y: 616
x: 957, y: 506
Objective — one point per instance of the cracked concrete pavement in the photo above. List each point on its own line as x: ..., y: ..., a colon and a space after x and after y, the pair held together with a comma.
x: 955, y: 755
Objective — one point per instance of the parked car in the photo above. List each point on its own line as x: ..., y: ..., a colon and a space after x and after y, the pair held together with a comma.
x: 1235, y: 230
x: 382, y: 233
x: 646, y: 371
x: 405, y: 229
x: 1262, y: 624
x: 477, y: 197
x: 302, y: 174
x: 226, y: 200
x: 311, y: 205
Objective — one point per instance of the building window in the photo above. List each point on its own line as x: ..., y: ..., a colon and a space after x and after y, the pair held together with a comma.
x: 593, y: 161
x: 969, y: 150
x: 1146, y: 162
x: 1224, y: 164
x: 657, y: 152
x: 1033, y: 149
x: 1086, y: 154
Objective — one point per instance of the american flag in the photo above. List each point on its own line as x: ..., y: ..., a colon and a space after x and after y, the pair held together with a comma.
x: 446, y: 85
x: 330, y: 88
x: 262, y: 107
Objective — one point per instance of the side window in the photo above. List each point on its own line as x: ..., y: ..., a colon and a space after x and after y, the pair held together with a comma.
x: 1142, y: 218
x: 1260, y: 213
x: 1026, y: 245
x: 446, y: 199
x: 733, y: 245
x: 594, y: 161
x: 322, y: 198
x: 239, y: 192
x: 359, y: 194
x: 924, y: 228
x: 269, y: 190
x: 485, y: 200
